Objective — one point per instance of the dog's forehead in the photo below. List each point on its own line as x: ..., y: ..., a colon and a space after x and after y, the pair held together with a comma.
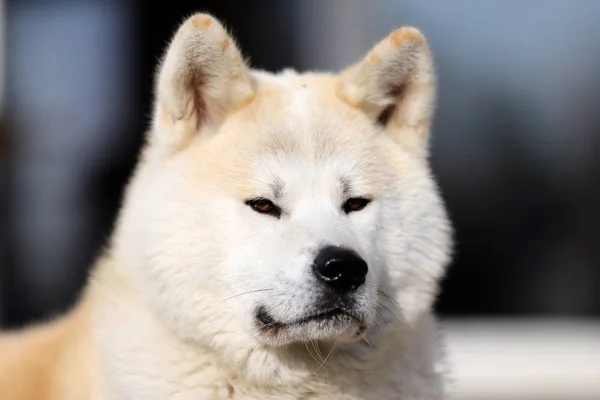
x: 300, y: 97
x: 301, y: 114
x: 296, y: 130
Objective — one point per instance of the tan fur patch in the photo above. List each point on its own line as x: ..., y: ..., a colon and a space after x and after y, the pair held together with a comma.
x: 343, y: 96
x: 50, y: 361
x: 165, y: 117
x: 201, y: 21
x: 245, y: 102
x: 225, y: 44
x: 406, y: 34
x: 373, y: 58
x: 230, y: 391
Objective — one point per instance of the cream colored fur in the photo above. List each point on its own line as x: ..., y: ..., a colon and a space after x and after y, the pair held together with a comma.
x: 169, y: 311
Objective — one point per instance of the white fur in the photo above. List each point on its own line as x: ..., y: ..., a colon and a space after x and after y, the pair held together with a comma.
x: 189, y: 263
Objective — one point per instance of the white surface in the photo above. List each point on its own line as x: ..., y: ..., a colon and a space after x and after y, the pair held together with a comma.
x: 525, y: 359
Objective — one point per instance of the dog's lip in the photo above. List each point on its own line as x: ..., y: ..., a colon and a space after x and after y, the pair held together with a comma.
x: 267, y: 320
x: 323, y: 315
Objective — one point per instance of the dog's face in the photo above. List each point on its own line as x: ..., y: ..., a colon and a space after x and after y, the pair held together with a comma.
x: 292, y: 207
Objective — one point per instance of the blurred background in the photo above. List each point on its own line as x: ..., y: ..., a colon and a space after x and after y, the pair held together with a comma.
x: 516, y: 149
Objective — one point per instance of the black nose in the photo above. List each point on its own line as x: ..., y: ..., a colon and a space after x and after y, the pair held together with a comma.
x: 342, y: 269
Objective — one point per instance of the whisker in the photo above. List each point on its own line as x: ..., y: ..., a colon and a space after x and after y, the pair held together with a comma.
x: 381, y: 292
x: 245, y: 293
x: 315, y: 345
x: 390, y: 311
x: 382, y: 317
x: 327, y: 358
x: 281, y: 303
x: 365, y: 339
x: 309, y: 352
x: 377, y: 325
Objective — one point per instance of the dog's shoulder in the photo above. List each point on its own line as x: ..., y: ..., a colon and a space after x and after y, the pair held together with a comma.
x: 48, y: 360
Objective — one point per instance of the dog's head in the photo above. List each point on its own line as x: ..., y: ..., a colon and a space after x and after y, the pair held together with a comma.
x: 293, y: 207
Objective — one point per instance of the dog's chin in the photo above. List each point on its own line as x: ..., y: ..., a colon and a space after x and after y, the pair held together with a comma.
x: 339, y: 324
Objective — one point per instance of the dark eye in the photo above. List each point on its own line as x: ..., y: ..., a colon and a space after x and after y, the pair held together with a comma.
x: 264, y: 206
x: 355, y: 204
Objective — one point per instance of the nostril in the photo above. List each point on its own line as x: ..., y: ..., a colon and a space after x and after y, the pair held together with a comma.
x: 340, y: 268
x: 332, y: 270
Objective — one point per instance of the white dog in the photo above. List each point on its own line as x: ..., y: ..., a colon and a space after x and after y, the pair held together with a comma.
x: 282, y: 238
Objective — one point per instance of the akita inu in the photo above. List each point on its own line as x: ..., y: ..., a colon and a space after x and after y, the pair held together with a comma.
x: 282, y: 237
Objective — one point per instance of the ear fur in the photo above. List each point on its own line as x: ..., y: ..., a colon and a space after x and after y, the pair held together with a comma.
x: 395, y: 85
x: 201, y: 78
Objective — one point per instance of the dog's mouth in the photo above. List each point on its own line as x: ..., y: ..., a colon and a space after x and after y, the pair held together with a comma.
x: 331, y: 322
x: 263, y: 316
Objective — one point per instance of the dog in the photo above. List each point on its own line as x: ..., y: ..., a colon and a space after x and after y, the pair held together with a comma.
x: 281, y: 237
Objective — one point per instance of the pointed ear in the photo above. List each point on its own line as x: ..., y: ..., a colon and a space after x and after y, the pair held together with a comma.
x: 394, y: 84
x: 201, y: 79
